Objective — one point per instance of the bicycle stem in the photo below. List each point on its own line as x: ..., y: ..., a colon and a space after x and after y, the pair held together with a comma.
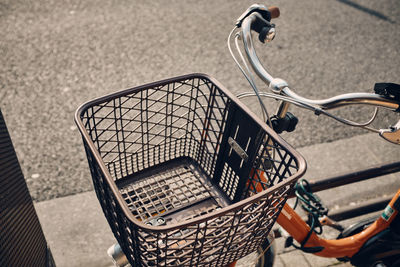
x: 283, y: 108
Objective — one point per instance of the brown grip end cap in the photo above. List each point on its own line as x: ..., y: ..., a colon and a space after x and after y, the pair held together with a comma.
x: 274, y: 10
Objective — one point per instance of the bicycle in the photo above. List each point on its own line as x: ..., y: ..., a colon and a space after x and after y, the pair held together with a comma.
x: 187, y: 175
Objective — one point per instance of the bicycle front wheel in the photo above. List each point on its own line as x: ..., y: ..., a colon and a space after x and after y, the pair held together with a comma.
x: 263, y: 257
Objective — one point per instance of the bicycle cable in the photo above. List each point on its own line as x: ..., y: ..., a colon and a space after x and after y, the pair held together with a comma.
x: 317, y: 111
x: 297, y: 102
x: 312, y: 204
x: 247, y: 75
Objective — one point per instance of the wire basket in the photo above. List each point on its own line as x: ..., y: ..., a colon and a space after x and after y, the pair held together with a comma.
x: 186, y: 174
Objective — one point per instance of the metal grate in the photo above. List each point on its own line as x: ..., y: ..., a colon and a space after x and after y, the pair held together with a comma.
x: 177, y: 165
x: 169, y: 189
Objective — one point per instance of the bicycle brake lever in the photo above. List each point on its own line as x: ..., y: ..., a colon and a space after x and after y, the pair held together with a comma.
x: 392, y: 134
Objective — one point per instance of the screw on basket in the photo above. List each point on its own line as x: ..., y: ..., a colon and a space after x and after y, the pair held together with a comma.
x: 156, y: 221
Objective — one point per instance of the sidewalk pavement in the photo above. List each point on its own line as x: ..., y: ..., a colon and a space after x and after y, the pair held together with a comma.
x: 78, y: 233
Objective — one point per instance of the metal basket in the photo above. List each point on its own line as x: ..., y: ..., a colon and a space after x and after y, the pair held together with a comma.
x: 178, y: 166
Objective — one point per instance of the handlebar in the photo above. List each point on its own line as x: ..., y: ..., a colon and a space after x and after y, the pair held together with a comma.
x: 257, y: 17
x: 346, y: 99
x: 279, y: 86
x: 267, y: 13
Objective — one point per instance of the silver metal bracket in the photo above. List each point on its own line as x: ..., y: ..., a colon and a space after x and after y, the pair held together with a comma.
x: 236, y: 147
x: 277, y: 85
x: 156, y: 221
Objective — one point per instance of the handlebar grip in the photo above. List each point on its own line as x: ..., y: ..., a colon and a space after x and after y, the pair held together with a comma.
x: 274, y: 10
x: 266, y: 13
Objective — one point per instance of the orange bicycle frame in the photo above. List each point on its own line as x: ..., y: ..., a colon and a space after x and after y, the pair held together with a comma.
x: 296, y: 227
x: 339, y: 248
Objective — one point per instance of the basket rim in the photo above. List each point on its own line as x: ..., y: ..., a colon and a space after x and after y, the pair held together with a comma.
x: 299, y: 159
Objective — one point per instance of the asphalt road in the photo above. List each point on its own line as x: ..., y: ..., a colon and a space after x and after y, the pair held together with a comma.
x: 56, y: 55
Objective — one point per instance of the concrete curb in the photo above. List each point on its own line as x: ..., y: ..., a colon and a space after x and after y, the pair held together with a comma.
x: 78, y: 234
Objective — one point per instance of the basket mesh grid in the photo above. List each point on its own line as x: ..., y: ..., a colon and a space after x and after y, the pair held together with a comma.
x: 170, y: 189
x: 166, y: 150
